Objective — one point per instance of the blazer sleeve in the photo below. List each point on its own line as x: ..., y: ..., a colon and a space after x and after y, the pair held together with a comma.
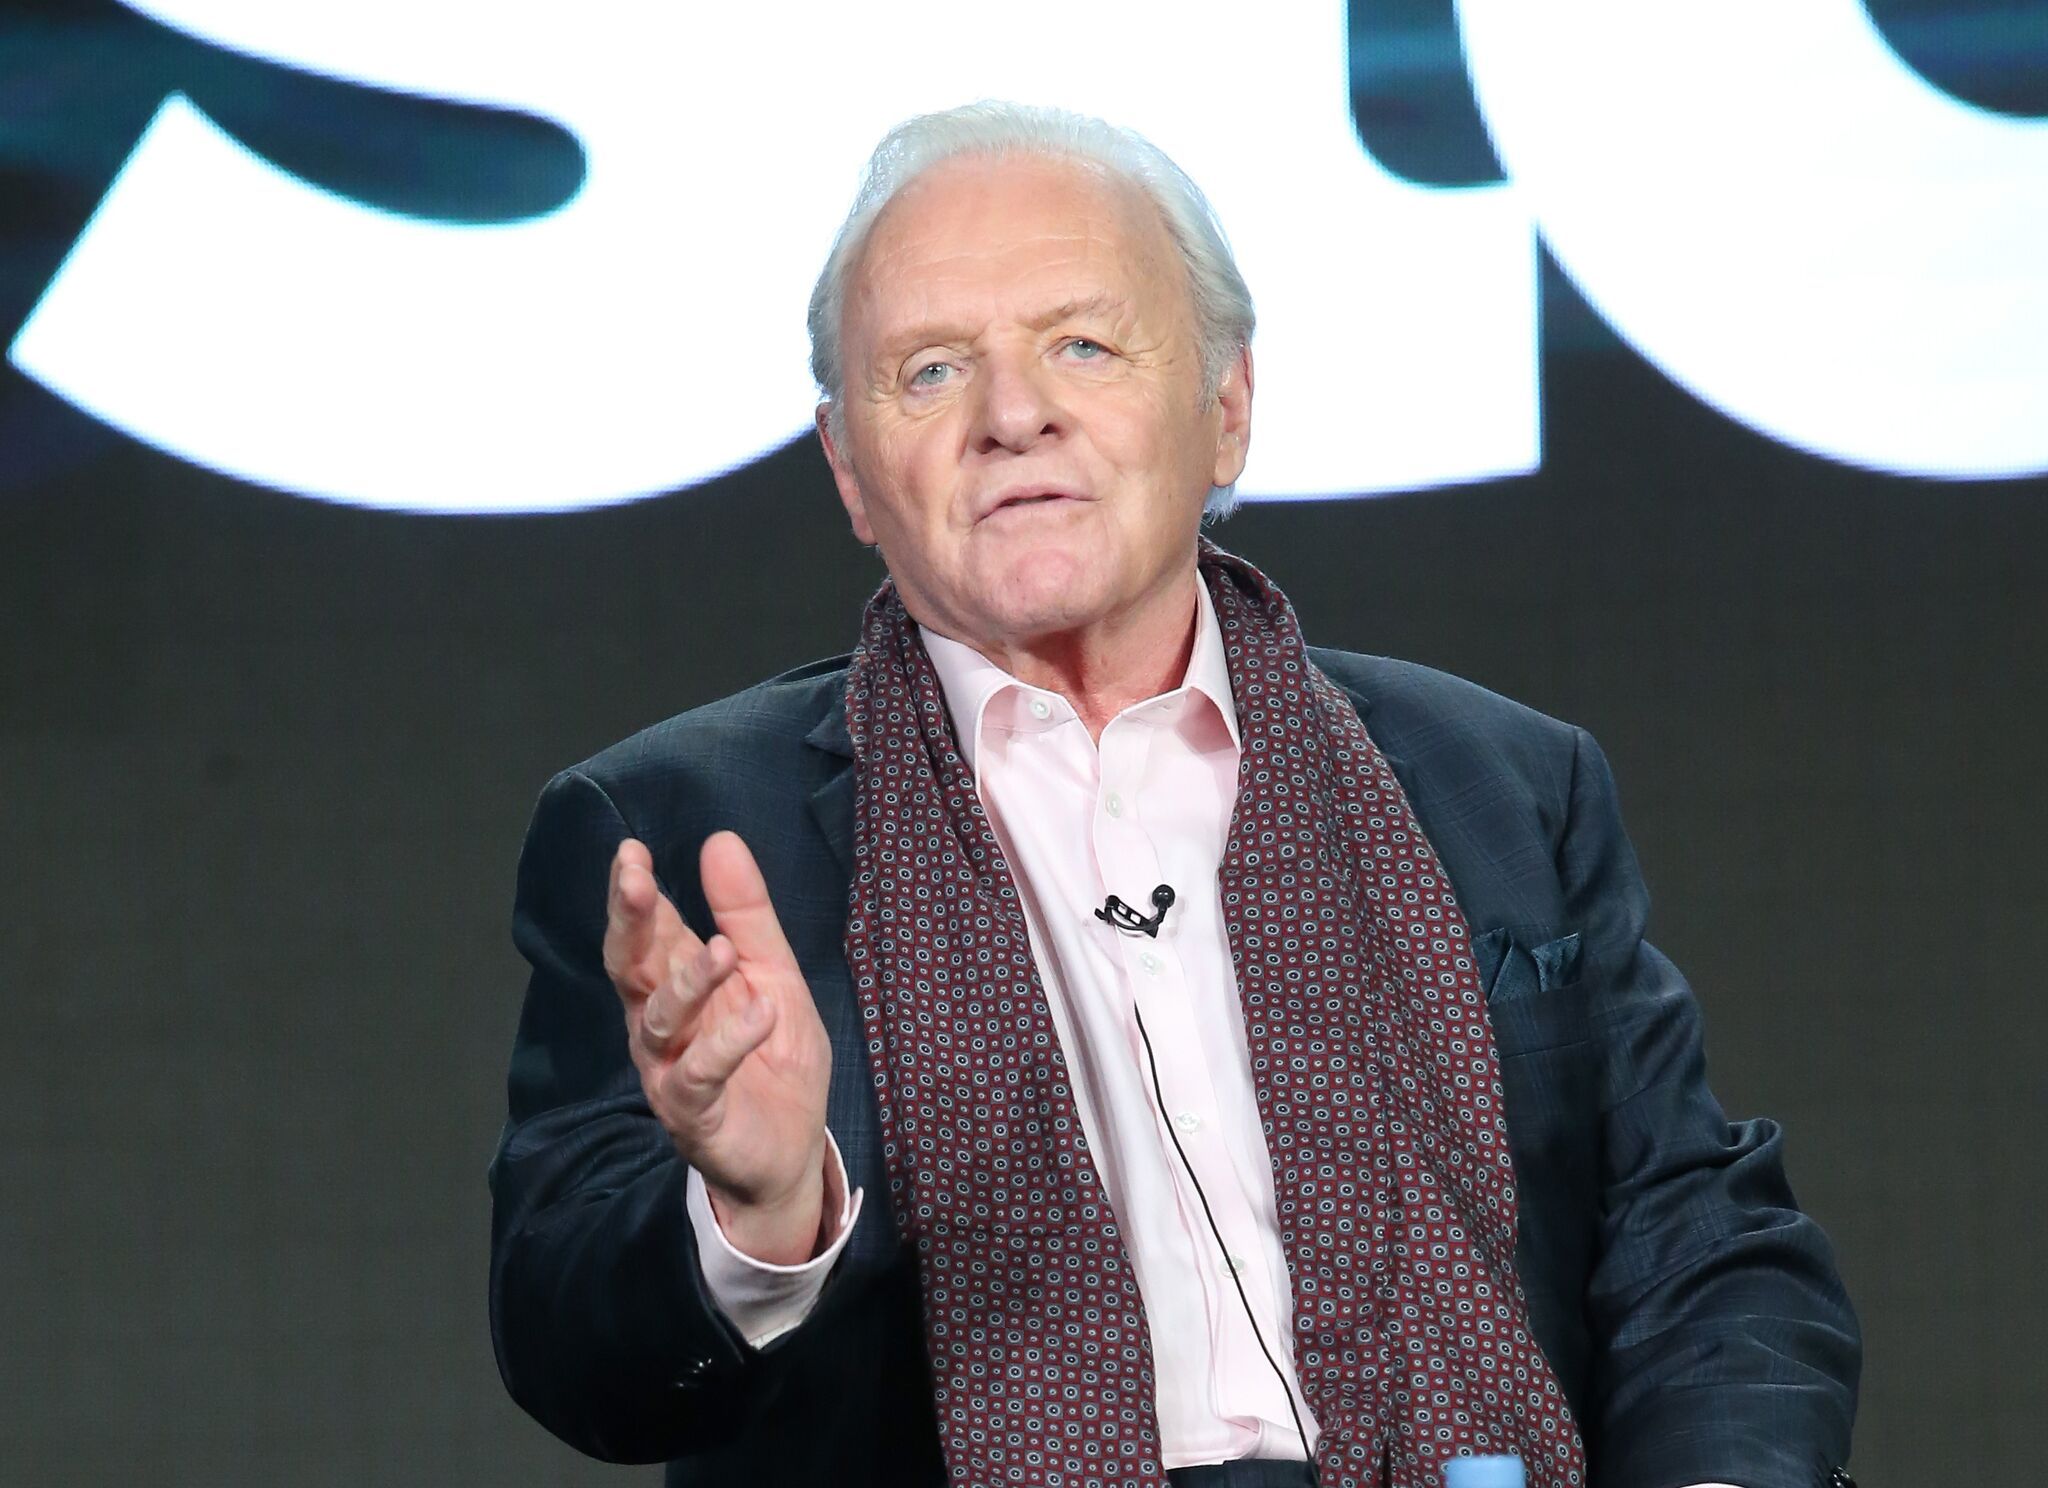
x: 604, y: 1329
x: 1724, y: 1345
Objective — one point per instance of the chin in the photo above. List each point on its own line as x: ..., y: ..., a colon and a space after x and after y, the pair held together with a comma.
x: 1054, y: 587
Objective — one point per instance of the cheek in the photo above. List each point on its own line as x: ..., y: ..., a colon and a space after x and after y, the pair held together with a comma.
x: 1131, y: 415
x: 917, y: 451
x: 1151, y: 441
x: 914, y: 466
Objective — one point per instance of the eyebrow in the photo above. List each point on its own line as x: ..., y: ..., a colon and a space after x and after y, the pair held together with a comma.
x: 933, y: 333
x: 1095, y: 304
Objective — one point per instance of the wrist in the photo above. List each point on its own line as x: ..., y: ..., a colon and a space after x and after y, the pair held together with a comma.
x: 787, y: 1230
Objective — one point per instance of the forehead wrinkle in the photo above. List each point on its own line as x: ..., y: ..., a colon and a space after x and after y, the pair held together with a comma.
x: 1120, y: 231
x: 1102, y: 303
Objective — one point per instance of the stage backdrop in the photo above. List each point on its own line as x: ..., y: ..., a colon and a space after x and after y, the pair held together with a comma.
x: 404, y: 401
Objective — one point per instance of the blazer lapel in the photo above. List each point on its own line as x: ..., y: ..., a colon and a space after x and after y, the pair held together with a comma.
x: 1394, y: 761
x: 832, y: 802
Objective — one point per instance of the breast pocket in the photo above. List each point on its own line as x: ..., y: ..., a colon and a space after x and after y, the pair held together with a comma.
x: 1533, y: 996
x: 1549, y: 1068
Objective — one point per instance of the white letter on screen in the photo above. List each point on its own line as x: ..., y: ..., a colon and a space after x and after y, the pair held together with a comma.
x: 1778, y: 212
x: 649, y: 334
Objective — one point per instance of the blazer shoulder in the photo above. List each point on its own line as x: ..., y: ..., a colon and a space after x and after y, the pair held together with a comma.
x: 1434, y: 719
x: 759, y: 730
x: 1413, y: 695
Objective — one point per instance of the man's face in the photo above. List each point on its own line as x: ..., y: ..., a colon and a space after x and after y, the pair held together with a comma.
x: 1025, y: 436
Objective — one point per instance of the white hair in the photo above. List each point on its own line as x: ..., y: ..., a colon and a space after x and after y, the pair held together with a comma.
x: 1222, y: 303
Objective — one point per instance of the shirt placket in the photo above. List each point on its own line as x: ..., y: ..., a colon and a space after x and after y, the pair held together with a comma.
x: 1187, y: 1111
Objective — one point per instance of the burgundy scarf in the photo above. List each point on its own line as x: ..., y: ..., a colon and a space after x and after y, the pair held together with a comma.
x: 1377, y: 1081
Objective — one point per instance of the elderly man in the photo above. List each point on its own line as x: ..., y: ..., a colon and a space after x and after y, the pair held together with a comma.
x: 1087, y: 1037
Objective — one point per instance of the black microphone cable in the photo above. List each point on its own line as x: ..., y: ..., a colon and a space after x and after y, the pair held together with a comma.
x: 1223, y: 1249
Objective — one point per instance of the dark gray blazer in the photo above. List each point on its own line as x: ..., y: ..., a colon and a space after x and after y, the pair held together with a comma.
x: 1693, y: 1314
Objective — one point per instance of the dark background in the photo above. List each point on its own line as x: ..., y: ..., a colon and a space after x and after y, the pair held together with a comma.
x: 265, y: 764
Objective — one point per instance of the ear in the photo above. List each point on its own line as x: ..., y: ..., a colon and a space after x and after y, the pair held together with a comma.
x: 1234, y: 435
x: 843, y: 477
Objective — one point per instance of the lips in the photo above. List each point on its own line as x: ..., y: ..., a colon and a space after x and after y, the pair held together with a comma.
x: 1026, y: 497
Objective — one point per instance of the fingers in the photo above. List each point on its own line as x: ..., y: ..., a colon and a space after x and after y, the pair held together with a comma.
x: 629, y: 916
x: 674, y: 1005
x: 695, y: 1010
x: 642, y: 929
x: 722, y: 1043
x: 738, y: 897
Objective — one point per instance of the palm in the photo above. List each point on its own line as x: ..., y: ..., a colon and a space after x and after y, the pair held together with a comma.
x: 754, y: 1135
x: 743, y: 1100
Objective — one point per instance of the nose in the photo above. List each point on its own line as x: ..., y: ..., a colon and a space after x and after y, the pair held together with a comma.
x: 1015, y: 406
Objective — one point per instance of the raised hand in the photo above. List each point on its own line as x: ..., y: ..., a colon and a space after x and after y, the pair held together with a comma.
x: 732, y: 1056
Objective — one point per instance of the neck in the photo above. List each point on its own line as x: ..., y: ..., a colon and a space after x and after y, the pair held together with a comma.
x: 1104, y: 667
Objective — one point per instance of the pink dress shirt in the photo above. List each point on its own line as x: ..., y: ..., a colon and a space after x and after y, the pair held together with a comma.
x: 1078, y: 819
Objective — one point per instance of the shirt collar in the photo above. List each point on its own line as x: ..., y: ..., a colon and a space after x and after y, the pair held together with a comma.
x: 971, y: 682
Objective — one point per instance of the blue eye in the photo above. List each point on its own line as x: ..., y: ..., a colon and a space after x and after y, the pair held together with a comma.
x: 1081, y: 343
x: 918, y: 378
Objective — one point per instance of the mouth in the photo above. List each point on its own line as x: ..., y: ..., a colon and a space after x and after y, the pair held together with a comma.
x: 1033, y: 498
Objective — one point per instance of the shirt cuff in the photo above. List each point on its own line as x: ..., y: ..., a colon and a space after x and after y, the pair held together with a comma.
x: 764, y: 1300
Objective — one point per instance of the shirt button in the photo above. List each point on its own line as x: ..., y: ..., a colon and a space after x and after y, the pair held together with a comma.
x: 1188, y: 1121
x: 1113, y: 804
x: 1150, y: 962
x: 1040, y: 708
x: 1235, y: 1263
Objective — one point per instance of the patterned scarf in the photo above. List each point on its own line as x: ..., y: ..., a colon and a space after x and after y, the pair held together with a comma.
x: 1377, y: 1082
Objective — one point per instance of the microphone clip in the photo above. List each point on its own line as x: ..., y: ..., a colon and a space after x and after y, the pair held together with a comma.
x: 1121, y: 916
